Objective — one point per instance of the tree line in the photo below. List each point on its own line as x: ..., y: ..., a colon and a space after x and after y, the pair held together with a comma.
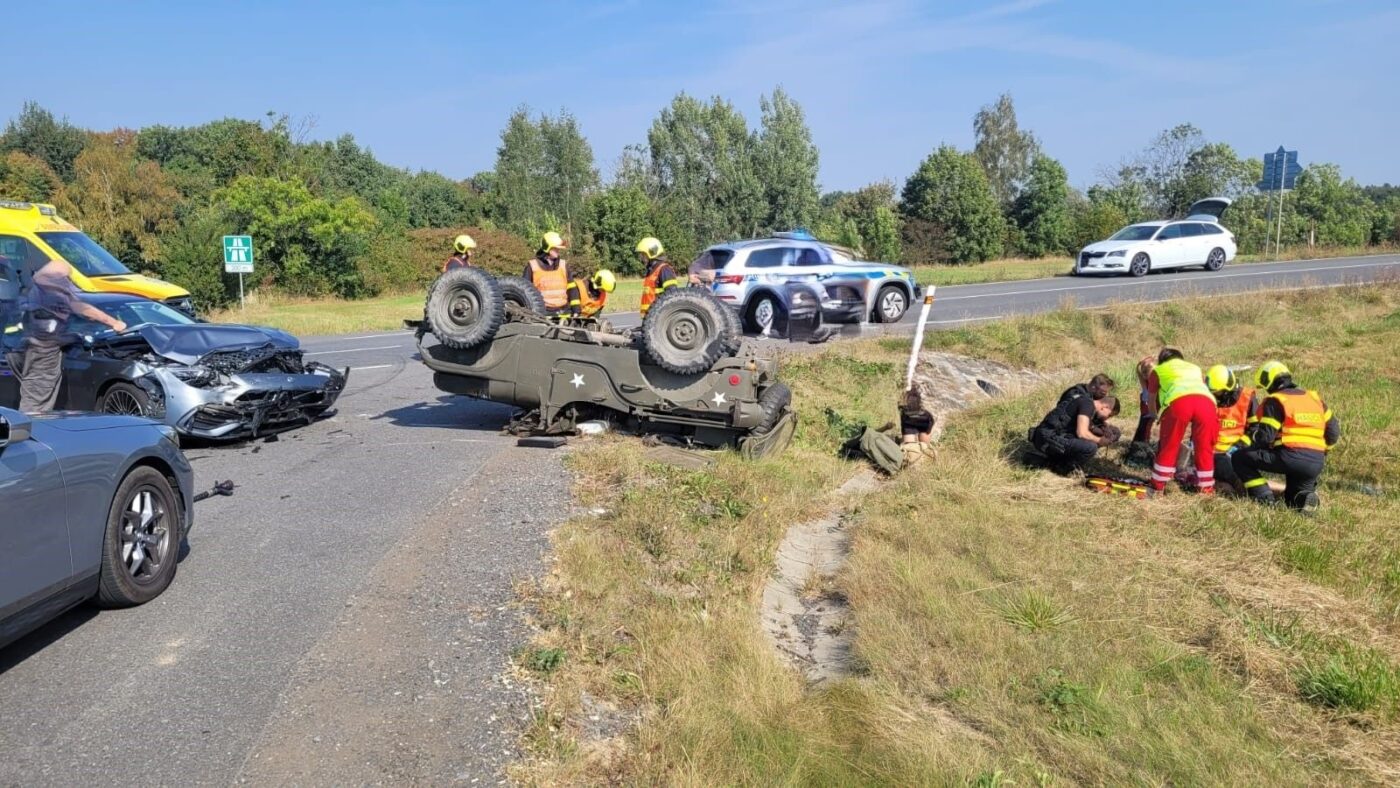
x: 331, y: 219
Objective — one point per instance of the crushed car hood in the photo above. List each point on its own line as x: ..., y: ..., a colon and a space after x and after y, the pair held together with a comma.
x: 188, y: 344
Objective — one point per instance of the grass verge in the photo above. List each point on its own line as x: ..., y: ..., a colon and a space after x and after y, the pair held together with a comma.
x: 1010, y: 626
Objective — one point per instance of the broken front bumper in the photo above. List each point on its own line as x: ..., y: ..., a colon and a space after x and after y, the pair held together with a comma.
x: 248, y: 404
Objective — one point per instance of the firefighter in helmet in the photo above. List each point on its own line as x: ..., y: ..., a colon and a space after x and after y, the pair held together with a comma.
x: 549, y: 272
x: 462, y: 246
x: 1236, y: 406
x: 587, y: 295
x: 660, y: 275
x: 1292, y: 435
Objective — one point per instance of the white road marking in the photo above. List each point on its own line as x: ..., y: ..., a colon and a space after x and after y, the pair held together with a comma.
x: 449, y: 440
x: 375, y: 366
x: 353, y: 350
x: 363, y: 336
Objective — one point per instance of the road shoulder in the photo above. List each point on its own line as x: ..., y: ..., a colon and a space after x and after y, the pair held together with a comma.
x: 412, y: 683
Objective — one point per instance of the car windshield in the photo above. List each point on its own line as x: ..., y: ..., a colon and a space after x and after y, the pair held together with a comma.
x: 133, y: 313
x: 84, y: 254
x: 1135, y: 232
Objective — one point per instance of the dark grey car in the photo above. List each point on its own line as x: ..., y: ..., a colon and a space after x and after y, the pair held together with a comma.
x: 92, y: 507
x: 215, y: 381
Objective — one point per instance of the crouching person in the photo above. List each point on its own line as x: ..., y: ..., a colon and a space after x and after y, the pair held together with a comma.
x: 1074, y: 431
x: 1292, y: 436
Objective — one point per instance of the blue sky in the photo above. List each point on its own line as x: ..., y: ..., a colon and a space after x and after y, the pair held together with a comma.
x: 430, y: 84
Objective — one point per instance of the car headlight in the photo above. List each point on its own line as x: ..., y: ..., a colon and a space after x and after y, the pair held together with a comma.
x: 168, y: 432
x: 1117, y: 253
x: 196, y: 375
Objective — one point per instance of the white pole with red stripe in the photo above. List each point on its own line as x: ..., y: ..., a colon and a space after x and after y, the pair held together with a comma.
x: 919, y: 337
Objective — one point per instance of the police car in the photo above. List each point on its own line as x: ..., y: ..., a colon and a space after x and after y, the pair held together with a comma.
x: 755, y: 277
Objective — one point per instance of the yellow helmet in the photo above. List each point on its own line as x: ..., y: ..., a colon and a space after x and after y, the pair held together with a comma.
x: 650, y: 248
x: 1221, y: 379
x: 553, y: 240
x: 1270, y: 372
x: 464, y: 243
x: 605, y: 280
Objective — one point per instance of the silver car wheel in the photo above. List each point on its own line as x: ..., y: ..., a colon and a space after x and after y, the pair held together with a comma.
x: 764, y: 312
x: 893, y: 305
x: 1216, y: 260
x: 145, y: 537
x: 120, y: 403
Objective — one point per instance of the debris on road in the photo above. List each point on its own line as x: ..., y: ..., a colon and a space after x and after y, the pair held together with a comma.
x: 220, y: 488
x: 542, y: 442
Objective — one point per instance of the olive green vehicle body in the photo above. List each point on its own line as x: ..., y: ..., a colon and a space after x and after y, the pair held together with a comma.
x: 569, y: 373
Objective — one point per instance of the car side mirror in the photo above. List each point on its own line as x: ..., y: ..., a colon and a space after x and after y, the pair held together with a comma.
x: 15, y: 427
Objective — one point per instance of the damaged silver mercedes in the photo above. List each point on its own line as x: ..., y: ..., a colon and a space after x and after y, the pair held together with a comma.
x: 207, y: 380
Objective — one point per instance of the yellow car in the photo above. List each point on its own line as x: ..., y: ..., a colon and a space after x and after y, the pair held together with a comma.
x: 31, y: 234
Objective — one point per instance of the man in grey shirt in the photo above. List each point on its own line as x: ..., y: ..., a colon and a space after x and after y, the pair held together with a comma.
x: 51, y: 301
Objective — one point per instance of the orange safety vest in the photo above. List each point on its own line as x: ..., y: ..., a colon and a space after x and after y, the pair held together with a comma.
x: 1305, y: 418
x: 588, y: 306
x: 650, y: 290
x: 460, y: 261
x: 1233, y: 421
x: 553, y: 285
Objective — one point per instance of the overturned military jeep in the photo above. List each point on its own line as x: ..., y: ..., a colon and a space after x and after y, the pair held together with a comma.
x: 681, y: 374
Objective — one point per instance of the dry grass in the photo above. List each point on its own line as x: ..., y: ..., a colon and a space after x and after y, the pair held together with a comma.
x: 1011, y: 627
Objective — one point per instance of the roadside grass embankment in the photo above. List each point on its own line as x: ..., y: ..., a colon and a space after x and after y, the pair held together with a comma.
x: 1010, y: 625
x: 332, y: 316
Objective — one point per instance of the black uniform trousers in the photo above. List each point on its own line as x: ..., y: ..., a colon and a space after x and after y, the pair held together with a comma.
x: 1300, y: 468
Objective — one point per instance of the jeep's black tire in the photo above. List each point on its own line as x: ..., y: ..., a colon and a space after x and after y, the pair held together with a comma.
x: 775, y: 401
x: 141, y: 546
x: 465, y: 308
x: 522, y: 293
x: 687, y: 330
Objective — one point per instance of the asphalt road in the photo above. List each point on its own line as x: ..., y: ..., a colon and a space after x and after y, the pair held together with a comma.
x: 345, y: 616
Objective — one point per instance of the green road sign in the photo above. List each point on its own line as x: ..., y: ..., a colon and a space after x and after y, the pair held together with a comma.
x: 238, y: 254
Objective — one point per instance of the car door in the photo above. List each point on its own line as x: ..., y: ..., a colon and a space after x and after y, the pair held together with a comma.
x: 36, y: 560
x: 1193, y: 244
x: 1167, y: 252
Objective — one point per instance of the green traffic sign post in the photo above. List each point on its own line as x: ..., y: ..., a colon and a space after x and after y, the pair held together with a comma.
x: 238, y: 259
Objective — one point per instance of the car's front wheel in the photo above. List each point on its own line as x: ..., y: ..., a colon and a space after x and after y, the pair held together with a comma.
x: 765, y: 316
x: 124, y: 399
x: 891, y: 304
x: 1216, y: 259
x: 1141, y: 264
x: 142, y: 541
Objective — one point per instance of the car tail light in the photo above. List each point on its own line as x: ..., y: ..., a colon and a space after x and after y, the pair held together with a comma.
x: 729, y: 279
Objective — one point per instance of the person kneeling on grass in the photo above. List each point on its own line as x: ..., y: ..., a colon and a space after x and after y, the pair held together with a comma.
x: 1074, y: 431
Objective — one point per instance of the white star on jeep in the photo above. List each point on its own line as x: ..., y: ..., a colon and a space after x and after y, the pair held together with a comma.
x: 719, y: 399
x: 577, y: 381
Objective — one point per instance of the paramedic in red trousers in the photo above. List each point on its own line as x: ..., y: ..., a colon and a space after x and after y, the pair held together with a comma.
x: 1292, y: 436
x: 1183, y: 402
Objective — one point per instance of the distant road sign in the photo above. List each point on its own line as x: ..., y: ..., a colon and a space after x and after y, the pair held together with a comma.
x: 1281, y: 170
x: 238, y: 254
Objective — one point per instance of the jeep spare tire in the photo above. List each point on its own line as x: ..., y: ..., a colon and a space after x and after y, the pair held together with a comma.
x: 521, y: 293
x: 687, y: 330
x: 465, y: 308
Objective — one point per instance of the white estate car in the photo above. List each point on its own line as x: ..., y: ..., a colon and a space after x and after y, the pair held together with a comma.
x: 1153, y: 246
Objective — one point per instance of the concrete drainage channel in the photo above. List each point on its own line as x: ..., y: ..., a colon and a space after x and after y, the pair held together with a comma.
x: 806, y: 619
x: 805, y: 616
